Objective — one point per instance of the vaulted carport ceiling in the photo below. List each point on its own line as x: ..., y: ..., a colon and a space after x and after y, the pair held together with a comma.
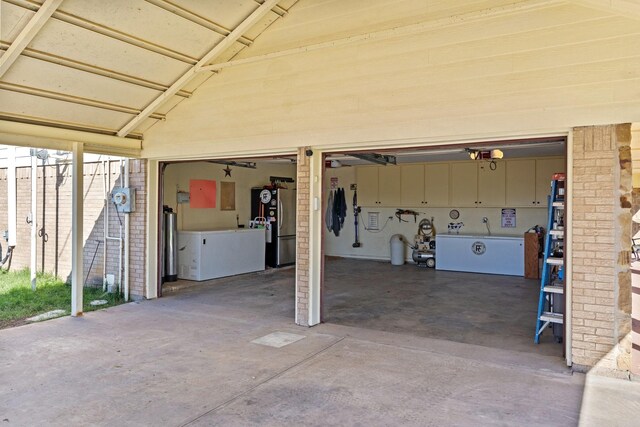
x: 118, y: 67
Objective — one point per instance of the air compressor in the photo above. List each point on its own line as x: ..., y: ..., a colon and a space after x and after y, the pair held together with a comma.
x: 424, y: 244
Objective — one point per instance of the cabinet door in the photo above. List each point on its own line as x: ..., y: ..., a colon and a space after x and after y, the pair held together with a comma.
x: 521, y: 187
x: 491, y: 185
x: 412, y: 185
x: 389, y: 186
x: 367, y: 180
x: 545, y: 168
x: 436, y: 185
x: 464, y: 184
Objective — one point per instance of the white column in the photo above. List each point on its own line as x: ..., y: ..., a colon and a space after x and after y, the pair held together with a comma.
x: 11, y: 196
x: 77, y: 198
x: 152, y: 255
x: 568, y: 253
x: 315, y: 235
x: 34, y: 216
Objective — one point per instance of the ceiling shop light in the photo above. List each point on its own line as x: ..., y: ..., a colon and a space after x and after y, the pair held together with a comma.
x: 379, y: 159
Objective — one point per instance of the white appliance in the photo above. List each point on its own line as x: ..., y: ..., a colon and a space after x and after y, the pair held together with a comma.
x: 204, y: 255
x: 480, y: 254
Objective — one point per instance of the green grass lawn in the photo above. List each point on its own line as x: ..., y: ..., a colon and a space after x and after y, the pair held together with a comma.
x: 18, y: 301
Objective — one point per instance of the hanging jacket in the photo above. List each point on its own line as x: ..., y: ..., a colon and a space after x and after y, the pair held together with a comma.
x: 328, y: 217
x: 335, y: 213
x: 343, y: 207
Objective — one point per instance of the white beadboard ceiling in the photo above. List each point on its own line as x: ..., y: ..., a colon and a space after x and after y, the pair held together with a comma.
x: 96, y: 65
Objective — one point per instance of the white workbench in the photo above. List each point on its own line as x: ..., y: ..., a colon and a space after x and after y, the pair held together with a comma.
x: 496, y: 254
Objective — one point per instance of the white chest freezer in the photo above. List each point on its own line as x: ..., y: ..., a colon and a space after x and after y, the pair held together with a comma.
x: 204, y: 255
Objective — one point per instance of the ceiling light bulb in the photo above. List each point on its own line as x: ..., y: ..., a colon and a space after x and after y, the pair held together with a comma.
x: 497, y: 154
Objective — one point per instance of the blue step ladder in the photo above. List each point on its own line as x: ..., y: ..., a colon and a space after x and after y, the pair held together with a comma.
x: 550, y: 305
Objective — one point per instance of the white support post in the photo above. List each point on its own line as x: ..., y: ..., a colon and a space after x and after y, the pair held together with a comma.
x: 34, y: 217
x: 12, y: 213
x: 152, y: 255
x: 77, y: 199
x: 315, y: 236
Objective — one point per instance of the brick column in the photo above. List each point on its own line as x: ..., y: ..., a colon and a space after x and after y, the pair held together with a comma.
x: 601, y: 285
x: 302, y: 238
x: 138, y: 230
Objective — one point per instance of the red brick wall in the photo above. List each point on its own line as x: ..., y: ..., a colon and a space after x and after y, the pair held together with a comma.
x: 54, y: 221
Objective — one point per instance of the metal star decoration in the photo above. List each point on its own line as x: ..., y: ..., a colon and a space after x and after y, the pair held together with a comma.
x: 227, y: 171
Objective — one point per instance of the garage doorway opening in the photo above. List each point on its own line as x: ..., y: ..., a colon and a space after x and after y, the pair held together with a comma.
x: 229, y: 223
x: 445, y: 202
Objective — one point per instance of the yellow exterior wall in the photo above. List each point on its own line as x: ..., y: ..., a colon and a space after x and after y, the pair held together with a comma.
x: 537, y: 72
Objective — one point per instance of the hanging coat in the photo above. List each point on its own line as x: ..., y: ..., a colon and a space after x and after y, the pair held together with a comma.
x: 343, y: 207
x: 335, y: 213
x: 328, y: 216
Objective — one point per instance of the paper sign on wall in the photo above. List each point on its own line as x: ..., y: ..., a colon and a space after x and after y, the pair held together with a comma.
x: 203, y: 193
x: 334, y: 182
x: 508, y: 218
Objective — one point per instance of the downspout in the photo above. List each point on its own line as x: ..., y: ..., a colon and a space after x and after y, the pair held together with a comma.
x: 33, y: 216
x: 126, y: 236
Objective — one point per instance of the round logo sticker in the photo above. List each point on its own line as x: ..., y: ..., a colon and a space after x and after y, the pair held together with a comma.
x: 478, y: 248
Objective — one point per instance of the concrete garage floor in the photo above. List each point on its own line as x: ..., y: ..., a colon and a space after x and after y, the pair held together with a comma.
x: 189, y: 359
x: 483, y: 309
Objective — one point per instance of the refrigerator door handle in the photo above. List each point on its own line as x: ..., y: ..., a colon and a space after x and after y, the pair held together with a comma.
x: 281, y: 215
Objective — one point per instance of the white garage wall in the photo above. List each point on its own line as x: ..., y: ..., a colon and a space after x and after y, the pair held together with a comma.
x: 376, y: 245
x: 534, y: 71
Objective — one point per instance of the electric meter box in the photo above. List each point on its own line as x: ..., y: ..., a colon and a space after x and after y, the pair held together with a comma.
x: 124, y: 198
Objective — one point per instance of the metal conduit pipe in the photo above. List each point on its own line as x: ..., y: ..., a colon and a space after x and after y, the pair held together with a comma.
x: 33, y: 219
x: 107, y: 237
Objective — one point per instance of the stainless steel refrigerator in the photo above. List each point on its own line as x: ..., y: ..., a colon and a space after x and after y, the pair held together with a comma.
x: 279, y: 207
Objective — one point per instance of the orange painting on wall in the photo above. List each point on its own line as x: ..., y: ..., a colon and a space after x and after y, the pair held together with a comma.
x: 202, y: 193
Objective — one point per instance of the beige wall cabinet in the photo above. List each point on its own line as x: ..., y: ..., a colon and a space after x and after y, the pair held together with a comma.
x: 425, y: 185
x: 436, y: 185
x: 475, y: 184
x: 528, y: 181
x: 378, y: 185
x: 464, y: 184
x: 520, y: 183
x: 513, y: 183
x: 367, y: 180
x: 491, y: 184
x: 412, y: 185
x: 545, y: 168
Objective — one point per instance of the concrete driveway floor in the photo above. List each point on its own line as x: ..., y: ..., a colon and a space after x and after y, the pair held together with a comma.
x: 189, y: 359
